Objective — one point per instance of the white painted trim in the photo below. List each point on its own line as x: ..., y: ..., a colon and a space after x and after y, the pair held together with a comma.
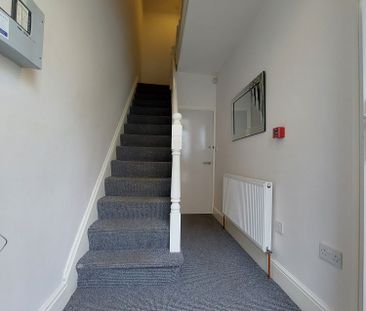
x: 218, y: 215
x: 182, y: 25
x: 59, y: 298
x: 361, y: 265
x: 214, y: 168
x: 294, y: 288
x: 197, y: 108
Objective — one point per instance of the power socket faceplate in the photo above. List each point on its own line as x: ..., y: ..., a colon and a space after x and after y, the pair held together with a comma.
x: 278, y: 226
x: 330, y: 255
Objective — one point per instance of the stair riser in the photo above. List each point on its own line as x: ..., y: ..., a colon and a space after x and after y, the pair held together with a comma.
x: 107, y: 278
x: 150, y: 170
x: 135, y: 119
x: 151, y: 111
x: 147, y: 129
x: 153, y: 87
x: 152, y: 103
x: 165, y: 90
x: 144, y: 154
x: 145, y: 140
x: 137, y: 188
x: 162, y: 91
x: 134, y: 211
x: 128, y: 241
x: 158, y: 96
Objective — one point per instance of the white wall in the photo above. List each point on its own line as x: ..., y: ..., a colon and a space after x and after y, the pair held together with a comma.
x: 309, y: 50
x: 196, y: 90
x: 159, y: 28
x: 56, y: 126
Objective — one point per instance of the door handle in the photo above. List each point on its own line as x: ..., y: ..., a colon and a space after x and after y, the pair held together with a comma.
x: 207, y: 163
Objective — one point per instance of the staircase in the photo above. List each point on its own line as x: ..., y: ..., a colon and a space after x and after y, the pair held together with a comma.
x: 129, y: 243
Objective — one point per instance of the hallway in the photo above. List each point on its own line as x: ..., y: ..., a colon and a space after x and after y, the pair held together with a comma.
x: 117, y: 117
x: 217, y: 274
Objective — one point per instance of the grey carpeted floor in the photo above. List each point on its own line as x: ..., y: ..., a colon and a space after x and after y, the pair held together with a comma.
x: 216, y: 275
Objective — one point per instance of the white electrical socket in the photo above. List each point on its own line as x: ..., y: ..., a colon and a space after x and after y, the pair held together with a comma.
x: 330, y: 255
x: 278, y: 226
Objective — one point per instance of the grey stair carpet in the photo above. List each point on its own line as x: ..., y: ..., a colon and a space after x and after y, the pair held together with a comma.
x: 129, y: 153
x: 137, y: 187
x: 151, y: 111
x: 129, y: 243
x: 217, y: 274
x: 146, y: 140
x: 148, y: 129
x: 112, y: 207
x: 153, y: 93
x: 161, y: 96
x: 150, y: 103
x: 141, y: 169
x: 122, y: 268
x: 123, y: 234
x: 140, y: 119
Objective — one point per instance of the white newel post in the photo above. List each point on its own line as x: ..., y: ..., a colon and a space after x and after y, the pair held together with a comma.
x: 175, y: 216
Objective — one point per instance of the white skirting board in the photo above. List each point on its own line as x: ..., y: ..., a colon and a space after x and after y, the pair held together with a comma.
x: 297, y: 291
x: 218, y: 215
x: 61, y: 295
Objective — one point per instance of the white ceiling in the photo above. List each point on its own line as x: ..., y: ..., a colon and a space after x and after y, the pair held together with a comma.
x: 211, y: 31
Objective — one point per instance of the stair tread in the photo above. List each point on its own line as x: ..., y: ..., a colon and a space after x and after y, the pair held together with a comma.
x: 151, y: 116
x: 142, y: 162
x: 141, y: 169
x: 122, y: 199
x: 148, y: 119
x: 152, y: 104
x: 152, y: 179
x: 148, y: 147
x: 150, y: 124
x: 130, y: 259
x: 152, y: 85
x: 144, y: 135
x: 129, y: 225
x: 138, y: 110
x: 145, y: 140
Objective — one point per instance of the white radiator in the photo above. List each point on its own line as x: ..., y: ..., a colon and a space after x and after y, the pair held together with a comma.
x: 248, y: 204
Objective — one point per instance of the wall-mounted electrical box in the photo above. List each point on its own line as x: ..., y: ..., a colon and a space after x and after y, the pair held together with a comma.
x: 21, y: 32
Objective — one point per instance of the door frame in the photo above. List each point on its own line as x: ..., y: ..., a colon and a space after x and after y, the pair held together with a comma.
x: 211, y: 109
x: 361, y: 170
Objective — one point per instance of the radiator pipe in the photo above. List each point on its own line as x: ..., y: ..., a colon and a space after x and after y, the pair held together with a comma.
x: 269, y: 253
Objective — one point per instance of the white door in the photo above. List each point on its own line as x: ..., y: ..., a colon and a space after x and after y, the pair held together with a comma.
x: 197, y: 161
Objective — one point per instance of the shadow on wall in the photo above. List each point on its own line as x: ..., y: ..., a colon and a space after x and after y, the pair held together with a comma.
x: 15, y: 74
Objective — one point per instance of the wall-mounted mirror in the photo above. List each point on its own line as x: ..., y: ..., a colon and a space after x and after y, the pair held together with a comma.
x: 6, y: 5
x: 249, y: 109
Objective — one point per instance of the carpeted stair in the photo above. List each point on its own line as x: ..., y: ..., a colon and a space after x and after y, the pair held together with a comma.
x: 129, y: 243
